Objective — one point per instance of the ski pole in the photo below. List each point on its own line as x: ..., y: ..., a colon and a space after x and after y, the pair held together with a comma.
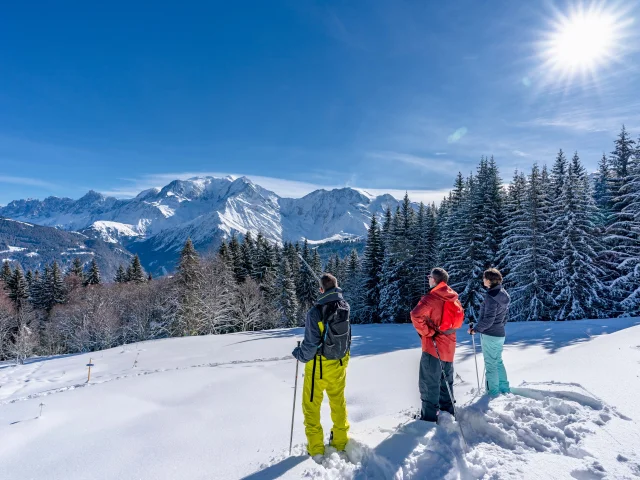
x: 453, y: 401
x: 310, y: 269
x: 293, y: 414
x: 484, y: 370
x: 475, y: 355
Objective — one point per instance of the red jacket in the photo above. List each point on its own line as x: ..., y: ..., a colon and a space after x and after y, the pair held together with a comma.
x: 427, y: 317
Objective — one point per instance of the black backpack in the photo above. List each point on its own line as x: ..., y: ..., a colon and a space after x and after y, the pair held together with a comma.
x: 336, y: 340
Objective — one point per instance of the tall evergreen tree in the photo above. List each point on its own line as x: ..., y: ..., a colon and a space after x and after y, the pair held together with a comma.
x: 288, y: 301
x: 18, y: 289
x: 53, y: 291
x: 225, y: 252
x: 136, y: 273
x: 77, y: 269
x: 526, y: 257
x: 39, y: 291
x: 623, y: 238
x: 93, y: 278
x: 248, y: 256
x: 308, y: 286
x: 121, y: 275
x: 6, y: 273
x: 371, y: 272
x: 602, y: 190
x: 29, y: 278
x: 235, y: 251
x: 579, y: 286
x: 391, y: 291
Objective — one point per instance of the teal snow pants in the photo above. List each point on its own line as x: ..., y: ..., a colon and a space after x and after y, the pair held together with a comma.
x: 497, y: 381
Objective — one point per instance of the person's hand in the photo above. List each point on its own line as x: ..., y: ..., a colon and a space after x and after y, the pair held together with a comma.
x: 471, y: 331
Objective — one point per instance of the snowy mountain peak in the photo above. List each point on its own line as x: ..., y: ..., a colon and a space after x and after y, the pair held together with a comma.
x: 207, y: 209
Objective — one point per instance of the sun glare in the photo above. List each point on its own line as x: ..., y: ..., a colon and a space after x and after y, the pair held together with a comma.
x: 583, y: 41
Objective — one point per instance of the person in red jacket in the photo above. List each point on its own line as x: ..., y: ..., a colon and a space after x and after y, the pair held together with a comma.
x: 427, y: 318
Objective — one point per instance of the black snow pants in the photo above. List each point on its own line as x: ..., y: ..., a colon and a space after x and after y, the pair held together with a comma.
x: 433, y: 389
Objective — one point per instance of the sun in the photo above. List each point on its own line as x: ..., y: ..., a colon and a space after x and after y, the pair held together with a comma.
x: 584, y: 41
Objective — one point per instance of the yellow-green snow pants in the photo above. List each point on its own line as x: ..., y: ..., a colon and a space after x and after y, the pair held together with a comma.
x: 330, y: 376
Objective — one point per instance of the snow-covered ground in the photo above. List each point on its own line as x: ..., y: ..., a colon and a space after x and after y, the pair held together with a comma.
x: 220, y: 407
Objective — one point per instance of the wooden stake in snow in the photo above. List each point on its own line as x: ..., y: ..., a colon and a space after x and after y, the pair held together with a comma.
x: 135, y: 363
x: 41, y: 406
x: 89, y: 374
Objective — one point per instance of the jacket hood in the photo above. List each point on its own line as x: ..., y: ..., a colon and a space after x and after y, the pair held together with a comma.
x: 444, y: 292
x: 333, y: 295
x: 500, y: 295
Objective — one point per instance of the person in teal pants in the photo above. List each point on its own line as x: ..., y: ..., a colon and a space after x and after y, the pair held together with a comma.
x: 491, y: 324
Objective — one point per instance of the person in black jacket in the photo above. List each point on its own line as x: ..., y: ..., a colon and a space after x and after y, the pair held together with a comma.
x: 491, y: 323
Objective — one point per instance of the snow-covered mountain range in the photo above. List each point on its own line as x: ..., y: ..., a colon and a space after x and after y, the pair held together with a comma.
x: 34, y: 246
x: 157, y: 222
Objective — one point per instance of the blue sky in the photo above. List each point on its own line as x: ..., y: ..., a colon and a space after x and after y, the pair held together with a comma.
x: 388, y: 95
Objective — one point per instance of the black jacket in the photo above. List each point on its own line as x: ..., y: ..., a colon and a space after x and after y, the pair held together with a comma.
x: 493, y: 312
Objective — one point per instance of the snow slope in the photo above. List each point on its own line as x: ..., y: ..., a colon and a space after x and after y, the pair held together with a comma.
x: 220, y: 407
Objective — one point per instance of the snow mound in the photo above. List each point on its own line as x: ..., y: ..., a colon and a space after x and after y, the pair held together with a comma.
x: 512, y: 436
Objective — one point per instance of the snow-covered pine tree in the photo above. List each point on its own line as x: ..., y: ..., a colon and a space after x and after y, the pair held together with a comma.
x: 266, y: 257
x: 453, y: 235
x: 579, y: 286
x: 33, y: 287
x: 224, y: 252
x: 386, y: 226
x: 621, y: 158
x: 351, y: 285
x: 288, y: 301
x: 93, y: 278
x: 235, y: 251
x: 77, y: 269
x: 526, y: 257
x: 308, y: 286
x: 557, y: 178
x: 624, y: 239
x: 475, y: 255
x: 29, y: 278
x: 602, y: 190
x: 442, y: 240
x: 6, y: 273
x: 54, y: 290
x: 18, y: 289
x: 491, y: 216
x: 189, y: 280
x: 391, y: 291
x: 137, y: 273
x: 121, y: 275
x: 316, y: 262
x: 422, y: 261
x: 371, y: 272
x: 406, y: 254
x: 39, y: 295
x: 248, y: 254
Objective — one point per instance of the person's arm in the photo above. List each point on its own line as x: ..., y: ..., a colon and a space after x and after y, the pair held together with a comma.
x: 421, y: 317
x: 488, y: 317
x: 312, y: 337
